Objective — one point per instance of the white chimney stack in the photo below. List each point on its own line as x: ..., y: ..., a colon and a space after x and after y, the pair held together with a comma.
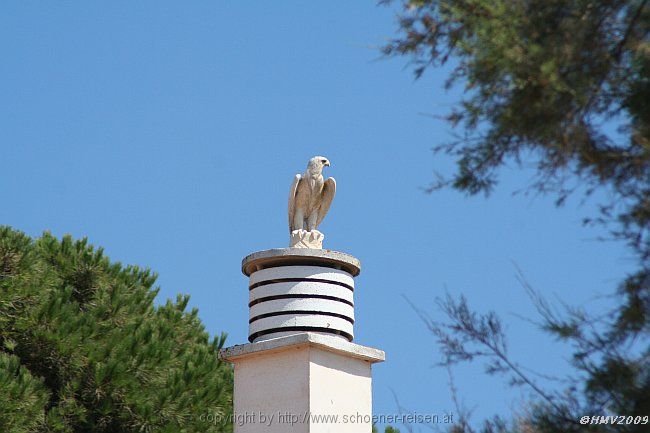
x: 300, y: 372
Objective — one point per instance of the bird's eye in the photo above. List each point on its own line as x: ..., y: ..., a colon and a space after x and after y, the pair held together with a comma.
x: 323, y: 161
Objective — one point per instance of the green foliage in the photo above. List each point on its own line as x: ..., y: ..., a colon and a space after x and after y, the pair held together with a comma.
x: 24, y: 397
x: 84, y: 349
x: 546, y: 82
x: 388, y: 429
x: 562, y: 86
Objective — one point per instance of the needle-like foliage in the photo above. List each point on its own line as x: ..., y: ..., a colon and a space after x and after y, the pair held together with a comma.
x: 562, y: 86
x: 83, y: 347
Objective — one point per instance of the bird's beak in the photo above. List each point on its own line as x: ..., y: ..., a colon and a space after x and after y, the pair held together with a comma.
x: 327, y: 164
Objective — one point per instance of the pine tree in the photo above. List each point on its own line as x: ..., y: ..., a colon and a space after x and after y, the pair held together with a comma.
x: 83, y: 348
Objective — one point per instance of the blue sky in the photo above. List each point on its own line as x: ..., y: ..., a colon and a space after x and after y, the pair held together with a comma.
x: 169, y: 133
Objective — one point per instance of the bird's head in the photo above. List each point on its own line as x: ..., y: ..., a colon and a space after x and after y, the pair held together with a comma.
x: 317, y: 163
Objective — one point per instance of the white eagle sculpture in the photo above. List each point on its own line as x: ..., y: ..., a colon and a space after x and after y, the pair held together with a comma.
x: 310, y: 198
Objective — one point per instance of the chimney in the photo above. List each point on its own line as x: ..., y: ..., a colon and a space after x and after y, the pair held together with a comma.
x: 300, y: 371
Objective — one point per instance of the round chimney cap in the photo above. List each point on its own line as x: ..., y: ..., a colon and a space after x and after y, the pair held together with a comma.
x: 300, y: 257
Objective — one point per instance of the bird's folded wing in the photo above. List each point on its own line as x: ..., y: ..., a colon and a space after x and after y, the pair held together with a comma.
x: 292, y: 200
x: 329, y: 189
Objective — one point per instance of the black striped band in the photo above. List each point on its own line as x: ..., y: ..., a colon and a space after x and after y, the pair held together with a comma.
x: 258, y: 334
x: 299, y: 296
x: 296, y: 312
x: 298, y: 280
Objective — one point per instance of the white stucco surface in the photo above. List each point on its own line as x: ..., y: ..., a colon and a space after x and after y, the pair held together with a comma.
x: 303, y: 383
x: 339, y: 386
x: 301, y: 288
x: 303, y: 304
x: 319, y: 272
x: 268, y: 385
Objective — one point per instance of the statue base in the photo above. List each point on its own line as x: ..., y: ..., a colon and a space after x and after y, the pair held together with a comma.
x: 306, y: 239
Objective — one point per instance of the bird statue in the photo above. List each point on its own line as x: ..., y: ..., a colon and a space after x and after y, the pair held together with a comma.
x: 310, y: 198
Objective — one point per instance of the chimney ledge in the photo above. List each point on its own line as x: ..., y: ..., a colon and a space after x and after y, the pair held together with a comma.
x: 325, y: 342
